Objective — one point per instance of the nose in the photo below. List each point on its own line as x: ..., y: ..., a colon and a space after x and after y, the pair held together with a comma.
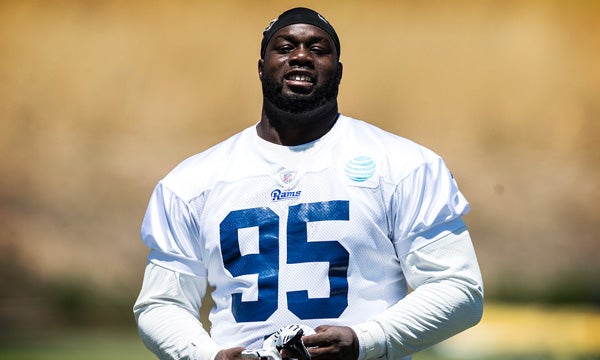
x: 301, y: 56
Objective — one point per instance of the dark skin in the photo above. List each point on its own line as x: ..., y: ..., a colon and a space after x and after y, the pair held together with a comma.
x: 306, y: 51
x: 300, y: 74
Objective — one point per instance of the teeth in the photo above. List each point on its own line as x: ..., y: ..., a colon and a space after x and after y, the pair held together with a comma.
x: 300, y: 78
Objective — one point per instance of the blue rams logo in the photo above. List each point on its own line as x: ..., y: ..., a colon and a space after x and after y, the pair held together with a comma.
x: 277, y: 195
x: 360, y: 169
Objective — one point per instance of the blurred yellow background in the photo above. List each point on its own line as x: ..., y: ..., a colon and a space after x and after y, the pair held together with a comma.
x: 100, y: 99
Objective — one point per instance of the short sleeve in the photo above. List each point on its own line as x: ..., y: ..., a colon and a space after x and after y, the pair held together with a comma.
x: 426, y: 200
x: 171, y: 233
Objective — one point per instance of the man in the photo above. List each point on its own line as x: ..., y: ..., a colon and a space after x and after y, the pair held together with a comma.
x: 310, y: 217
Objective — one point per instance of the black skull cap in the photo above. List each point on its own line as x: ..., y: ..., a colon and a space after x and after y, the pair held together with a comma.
x: 298, y: 15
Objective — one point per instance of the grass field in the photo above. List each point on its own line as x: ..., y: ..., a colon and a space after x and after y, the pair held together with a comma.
x: 506, y: 332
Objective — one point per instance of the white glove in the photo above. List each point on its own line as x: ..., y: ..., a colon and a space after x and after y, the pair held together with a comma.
x: 288, y: 337
x: 262, y: 354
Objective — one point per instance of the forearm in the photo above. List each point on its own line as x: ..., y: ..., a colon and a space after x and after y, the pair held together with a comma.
x: 168, y: 316
x: 448, y: 298
x: 172, y: 333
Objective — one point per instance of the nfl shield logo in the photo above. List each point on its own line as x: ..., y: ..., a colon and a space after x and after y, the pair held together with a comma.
x: 288, y: 176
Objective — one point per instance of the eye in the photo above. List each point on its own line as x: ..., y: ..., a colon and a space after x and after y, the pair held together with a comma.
x: 284, y: 49
x: 317, y: 50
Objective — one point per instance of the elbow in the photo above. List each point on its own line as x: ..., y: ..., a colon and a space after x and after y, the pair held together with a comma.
x: 473, y: 304
x: 138, y: 309
x: 466, y: 301
x: 479, y: 305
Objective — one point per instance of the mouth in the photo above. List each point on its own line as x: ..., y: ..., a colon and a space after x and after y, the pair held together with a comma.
x: 300, y: 82
x: 300, y: 78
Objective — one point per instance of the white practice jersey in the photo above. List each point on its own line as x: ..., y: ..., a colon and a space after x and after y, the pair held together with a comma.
x: 312, y: 234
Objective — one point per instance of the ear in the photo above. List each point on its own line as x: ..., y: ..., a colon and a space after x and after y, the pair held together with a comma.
x: 340, y: 70
x: 261, y: 64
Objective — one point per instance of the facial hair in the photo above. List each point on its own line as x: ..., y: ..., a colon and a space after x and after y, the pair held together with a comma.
x: 297, y: 104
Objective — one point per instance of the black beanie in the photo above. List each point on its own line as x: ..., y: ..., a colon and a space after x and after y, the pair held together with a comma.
x: 298, y: 16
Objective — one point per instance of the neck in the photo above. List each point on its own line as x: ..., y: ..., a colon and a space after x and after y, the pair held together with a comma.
x: 284, y: 128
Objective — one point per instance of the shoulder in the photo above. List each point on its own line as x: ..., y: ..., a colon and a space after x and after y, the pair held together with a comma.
x: 372, y: 135
x: 396, y: 155
x: 201, y: 171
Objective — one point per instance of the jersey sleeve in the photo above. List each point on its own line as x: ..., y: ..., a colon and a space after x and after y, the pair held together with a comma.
x: 170, y: 231
x: 167, y: 312
x: 438, y: 262
x: 447, y: 299
x: 426, y: 200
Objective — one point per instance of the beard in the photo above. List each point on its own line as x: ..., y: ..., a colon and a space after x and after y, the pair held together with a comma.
x: 299, y: 103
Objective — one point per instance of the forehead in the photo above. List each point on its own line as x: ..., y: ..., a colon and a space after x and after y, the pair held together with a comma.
x: 303, y: 32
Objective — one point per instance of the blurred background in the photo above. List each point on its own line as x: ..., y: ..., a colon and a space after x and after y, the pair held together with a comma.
x: 99, y: 99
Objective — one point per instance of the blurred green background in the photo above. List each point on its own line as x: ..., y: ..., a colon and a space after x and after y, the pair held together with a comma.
x: 99, y: 99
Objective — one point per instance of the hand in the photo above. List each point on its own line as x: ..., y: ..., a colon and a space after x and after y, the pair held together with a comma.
x: 332, y: 342
x: 230, y: 354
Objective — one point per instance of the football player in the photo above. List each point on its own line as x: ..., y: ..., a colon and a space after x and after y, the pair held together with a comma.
x: 308, y: 217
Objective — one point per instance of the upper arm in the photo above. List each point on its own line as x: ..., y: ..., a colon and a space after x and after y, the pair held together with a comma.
x: 162, y: 286
x: 171, y: 232
x: 448, y: 255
